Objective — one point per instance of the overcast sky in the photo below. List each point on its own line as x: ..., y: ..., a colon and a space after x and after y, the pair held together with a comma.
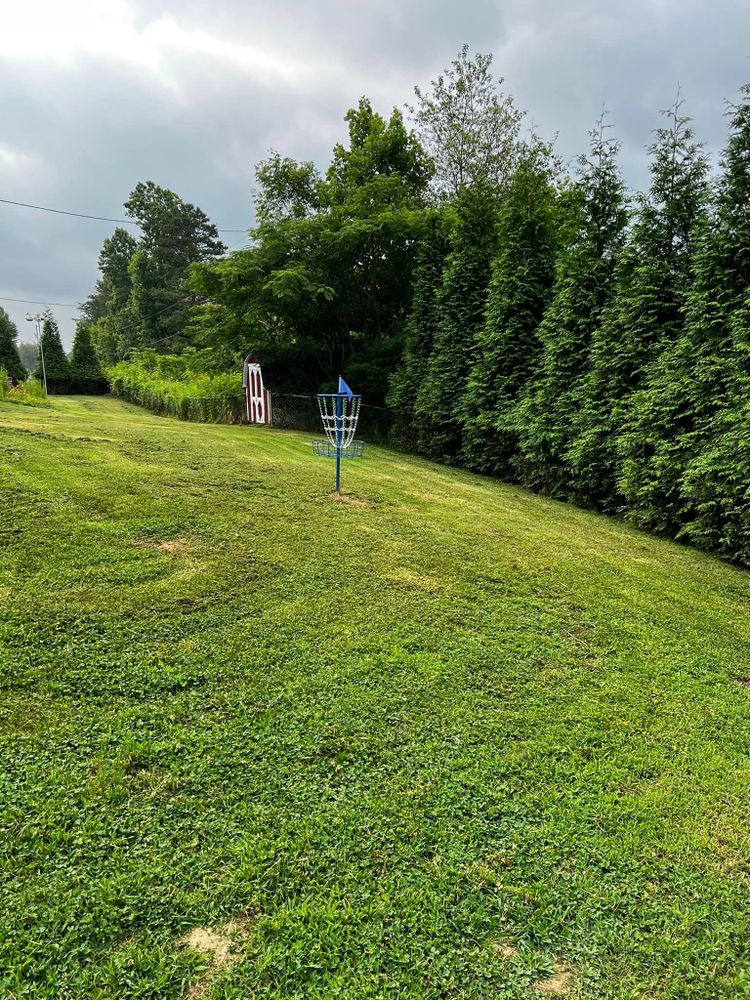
x: 95, y: 96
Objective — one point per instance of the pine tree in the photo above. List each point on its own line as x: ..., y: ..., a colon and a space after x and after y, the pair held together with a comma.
x: 647, y: 312
x: 584, y: 282
x: 699, y: 465
x: 10, y: 359
x: 55, y: 360
x: 519, y: 290
x: 715, y: 485
x: 86, y: 375
x: 421, y: 326
x: 461, y: 304
x: 679, y: 474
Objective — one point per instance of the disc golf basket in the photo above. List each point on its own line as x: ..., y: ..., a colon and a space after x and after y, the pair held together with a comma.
x: 339, y: 412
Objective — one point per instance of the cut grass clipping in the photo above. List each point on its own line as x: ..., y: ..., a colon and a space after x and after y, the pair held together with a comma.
x: 446, y: 740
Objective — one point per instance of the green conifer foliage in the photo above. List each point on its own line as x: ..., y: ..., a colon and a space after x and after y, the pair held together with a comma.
x: 86, y: 375
x: 647, y: 312
x: 584, y: 283
x: 683, y: 469
x: 55, y: 360
x: 10, y: 360
x: 508, y: 343
x: 461, y: 304
x: 421, y: 326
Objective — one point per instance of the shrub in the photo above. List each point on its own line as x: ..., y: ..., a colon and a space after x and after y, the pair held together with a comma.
x: 28, y: 393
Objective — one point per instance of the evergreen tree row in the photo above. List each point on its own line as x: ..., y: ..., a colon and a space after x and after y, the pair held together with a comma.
x: 79, y: 373
x: 591, y: 348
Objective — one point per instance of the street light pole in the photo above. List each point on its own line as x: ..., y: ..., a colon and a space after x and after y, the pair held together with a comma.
x: 37, y: 321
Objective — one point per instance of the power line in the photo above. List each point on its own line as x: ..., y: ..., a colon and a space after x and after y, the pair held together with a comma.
x: 84, y: 215
x: 59, y: 211
x: 37, y: 302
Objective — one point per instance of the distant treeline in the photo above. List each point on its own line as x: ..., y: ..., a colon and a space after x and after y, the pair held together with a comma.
x: 552, y: 330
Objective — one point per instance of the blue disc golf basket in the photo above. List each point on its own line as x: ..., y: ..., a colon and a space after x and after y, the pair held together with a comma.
x: 339, y: 412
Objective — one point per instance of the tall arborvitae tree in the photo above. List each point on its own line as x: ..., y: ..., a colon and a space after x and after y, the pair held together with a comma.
x: 86, y: 375
x: 508, y: 343
x: 10, y: 359
x: 647, y: 312
x: 421, y: 327
x: 687, y: 462
x: 55, y: 360
x: 461, y: 303
x: 716, y: 481
x: 584, y: 282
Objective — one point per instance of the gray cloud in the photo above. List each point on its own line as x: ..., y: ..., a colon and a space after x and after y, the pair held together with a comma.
x: 191, y: 94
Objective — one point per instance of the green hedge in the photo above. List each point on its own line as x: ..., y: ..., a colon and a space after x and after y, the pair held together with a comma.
x: 179, y: 386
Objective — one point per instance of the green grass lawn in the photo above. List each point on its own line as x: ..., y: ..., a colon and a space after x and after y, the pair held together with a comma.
x: 443, y: 740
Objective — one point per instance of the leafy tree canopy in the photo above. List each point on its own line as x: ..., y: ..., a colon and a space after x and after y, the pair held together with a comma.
x: 142, y: 296
x: 327, y: 287
x: 286, y: 189
x: 467, y: 125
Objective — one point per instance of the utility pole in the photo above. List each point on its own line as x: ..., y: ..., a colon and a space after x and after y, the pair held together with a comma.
x: 37, y: 321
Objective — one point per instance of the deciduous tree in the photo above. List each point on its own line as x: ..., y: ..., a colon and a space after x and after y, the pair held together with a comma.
x: 287, y: 189
x: 467, y: 125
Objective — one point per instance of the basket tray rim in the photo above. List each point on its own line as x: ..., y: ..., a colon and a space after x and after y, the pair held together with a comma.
x: 323, y: 448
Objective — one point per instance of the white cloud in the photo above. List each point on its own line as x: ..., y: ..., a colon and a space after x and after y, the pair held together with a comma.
x: 41, y: 31
x: 15, y: 161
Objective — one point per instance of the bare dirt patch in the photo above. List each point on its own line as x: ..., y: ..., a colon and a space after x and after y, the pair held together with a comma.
x: 174, y: 545
x: 556, y: 985
x: 503, y: 949
x: 219, y: 944
x: 350, y: 499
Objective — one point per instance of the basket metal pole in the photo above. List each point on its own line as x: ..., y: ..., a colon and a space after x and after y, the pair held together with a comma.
x: 338, y: 443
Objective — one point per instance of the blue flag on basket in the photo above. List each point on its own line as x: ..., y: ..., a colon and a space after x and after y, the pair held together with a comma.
x: 344, y: 388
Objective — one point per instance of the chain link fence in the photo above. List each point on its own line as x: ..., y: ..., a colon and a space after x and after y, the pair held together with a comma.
x: 290, y: 411
x: 198, y: 409
x: 297, y: 412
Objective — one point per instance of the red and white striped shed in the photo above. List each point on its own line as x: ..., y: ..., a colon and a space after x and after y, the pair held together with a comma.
x: 257, y: 397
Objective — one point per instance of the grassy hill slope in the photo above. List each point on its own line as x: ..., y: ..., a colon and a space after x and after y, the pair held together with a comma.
x: 445, y: 739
